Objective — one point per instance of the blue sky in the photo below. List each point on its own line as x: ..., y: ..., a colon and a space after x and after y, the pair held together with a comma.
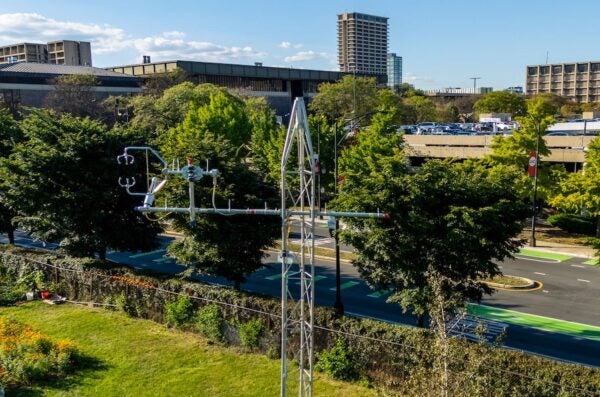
x: 443, y: 42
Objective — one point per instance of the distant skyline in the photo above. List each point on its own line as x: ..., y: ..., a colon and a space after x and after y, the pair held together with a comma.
x: 442, y: 43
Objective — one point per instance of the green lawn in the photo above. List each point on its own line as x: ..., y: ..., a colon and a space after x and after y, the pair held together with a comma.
x: 142, y: 358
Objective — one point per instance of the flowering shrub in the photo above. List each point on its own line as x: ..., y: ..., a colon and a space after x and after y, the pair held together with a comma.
x: 27, y: 355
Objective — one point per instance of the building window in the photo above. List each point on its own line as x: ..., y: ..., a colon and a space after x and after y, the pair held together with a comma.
x: 595, y: 67
x: 582, y: 67
x: 544, y: 70
x: 569, y: 68
x: 556, y: 69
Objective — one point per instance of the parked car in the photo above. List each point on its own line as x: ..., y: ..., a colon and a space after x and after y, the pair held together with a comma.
x: 560, y: 133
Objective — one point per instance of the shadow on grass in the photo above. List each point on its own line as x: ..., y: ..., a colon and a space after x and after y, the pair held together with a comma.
x: 87, y: 367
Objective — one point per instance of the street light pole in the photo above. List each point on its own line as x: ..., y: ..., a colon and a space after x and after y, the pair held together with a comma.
x: 535, y: 182
x: 337, y: 305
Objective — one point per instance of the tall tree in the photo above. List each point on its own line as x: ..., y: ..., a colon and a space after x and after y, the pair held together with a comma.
x: 501, y: 102
x: 349, y: 98
x: 454, y: 219
x: 420, y: 109
x: 267, y: 137
x: 62, y: 180
x: 228, y: 246
x: 579, y: 192
x: 10, y: 135
x: 516, y: 149
x: 75, y: 94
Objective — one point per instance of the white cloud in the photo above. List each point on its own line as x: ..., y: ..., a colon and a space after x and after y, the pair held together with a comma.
x: 107, y: 39
x: 20, y: 27
x: 303, y: 56
x: 287, y: 44
x: 172, y: 45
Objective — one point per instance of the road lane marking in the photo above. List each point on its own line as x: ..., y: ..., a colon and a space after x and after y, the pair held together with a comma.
x: 545, y: 291
x: 346, y: 285
x: 583, y: 281
x: 146, y: 253
x: 274, y: 277
x: 317, y: 278
x: 541, y: 274
x: 525, y: 258
x: 580, y: 266
x: 379, y: 294
x: 163, y: 259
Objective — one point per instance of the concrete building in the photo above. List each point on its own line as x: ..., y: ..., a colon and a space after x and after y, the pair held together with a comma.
x: 394, y: 71
x: 278, y: 85
x: 362, y: 43
x: 24, y: 52
x: 64, y: 52
x: 579, y: 81
x: 28, y: 84
x: 69, y: 52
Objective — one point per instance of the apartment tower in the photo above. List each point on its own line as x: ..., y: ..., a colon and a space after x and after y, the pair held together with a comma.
x: 63, y: 52
x: 579, y: 81
x: 362, y: 43
x: 394, y: 71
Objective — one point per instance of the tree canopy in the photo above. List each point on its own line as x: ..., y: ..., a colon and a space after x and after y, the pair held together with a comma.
x: 220, y: 133
x: 579, y: 192
x: 61, y: 180
x: 453, y: 219
x: 10, y: 135
x: 501, y: 102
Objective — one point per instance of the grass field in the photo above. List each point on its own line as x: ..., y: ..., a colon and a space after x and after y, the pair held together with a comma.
x: 141, y: 358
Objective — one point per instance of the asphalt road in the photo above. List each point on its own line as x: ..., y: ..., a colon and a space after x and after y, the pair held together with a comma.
x: 564, y: 296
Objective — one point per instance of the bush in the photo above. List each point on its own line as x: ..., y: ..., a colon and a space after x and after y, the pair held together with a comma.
x: 209, y: 322
x: 338, y: 362
x: 574, y: 223
x: 123, y: 304
x: 179, y: 312
x: 250, y: 333
x: 28, y: 355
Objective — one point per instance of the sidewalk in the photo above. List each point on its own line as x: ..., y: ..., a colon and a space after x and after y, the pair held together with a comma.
x: 568, y: 249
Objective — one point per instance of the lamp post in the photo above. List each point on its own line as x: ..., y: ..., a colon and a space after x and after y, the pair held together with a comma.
x: 338, y: 305
x: 535, y: 182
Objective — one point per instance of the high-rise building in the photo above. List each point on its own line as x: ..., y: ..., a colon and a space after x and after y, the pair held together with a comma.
x: 362, y: 43
x: 579, y: 81
x: 24, y: 52
x: 394, y: 71
x: 69, y: 52
x: 64, y: 52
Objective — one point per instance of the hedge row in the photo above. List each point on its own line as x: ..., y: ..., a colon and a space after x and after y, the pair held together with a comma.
x: 401, y: 360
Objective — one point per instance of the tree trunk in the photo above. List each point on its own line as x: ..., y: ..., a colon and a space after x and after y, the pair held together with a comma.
x: 598, y: 227
x: 11, y: 235
x: 420, y: 320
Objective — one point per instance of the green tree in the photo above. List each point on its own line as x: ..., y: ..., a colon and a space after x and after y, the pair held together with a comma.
x: 516, y: 149
x: 267, y: 137
x: 420, y: 109
x: 62, y: 180
x: 348, y: 98
x: 501, y: 102
x: 156, y: 114
x: 74, y: 94
x: 226, y: 246
x: 218, y: 133
x: 10, y: 135
x: 454, y: 219
x: 579, y: 192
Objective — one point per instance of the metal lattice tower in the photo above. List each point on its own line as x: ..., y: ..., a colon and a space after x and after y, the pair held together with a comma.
x: 297, y: 207
x: 297, y: 314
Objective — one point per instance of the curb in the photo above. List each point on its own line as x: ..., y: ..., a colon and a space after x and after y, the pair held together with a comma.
x: 552, y: 251
x: 530, y: 284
